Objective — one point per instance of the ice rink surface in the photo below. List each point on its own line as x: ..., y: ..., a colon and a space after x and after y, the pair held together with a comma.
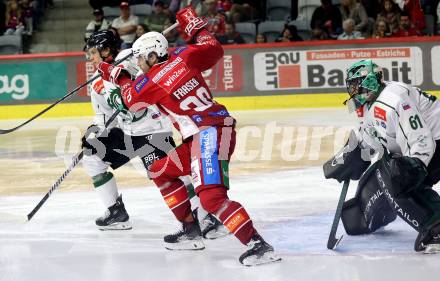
x: 291, y: 206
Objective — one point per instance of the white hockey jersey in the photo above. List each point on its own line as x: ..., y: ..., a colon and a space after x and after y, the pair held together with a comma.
x: 403, y: 119
x: 152, y: 121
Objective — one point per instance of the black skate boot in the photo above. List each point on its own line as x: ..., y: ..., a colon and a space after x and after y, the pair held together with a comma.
x: 260, y: 252
x: 188, y: 238
x: 428, y: 241
x: 115, y: 218
x: 211, y: 227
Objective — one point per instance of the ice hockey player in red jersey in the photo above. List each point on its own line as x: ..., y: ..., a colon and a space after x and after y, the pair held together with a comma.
x: 175, y: 84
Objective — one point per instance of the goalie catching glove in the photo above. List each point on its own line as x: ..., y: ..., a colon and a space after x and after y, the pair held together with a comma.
x: 407, y: 174
x: 347, y: 164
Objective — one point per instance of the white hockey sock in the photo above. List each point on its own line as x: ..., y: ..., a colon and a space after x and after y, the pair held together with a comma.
x: 107, y: 190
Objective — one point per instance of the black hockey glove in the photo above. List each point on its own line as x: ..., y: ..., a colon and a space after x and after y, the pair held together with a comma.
x: 85, y: 144
x: 407, y: 174
x: 347, y: 163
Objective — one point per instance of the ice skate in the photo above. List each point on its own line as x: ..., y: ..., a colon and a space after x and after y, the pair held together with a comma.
x: 260, y: 252
x: 211, y: 227
x: 115, y: 218
x: 188, y: 238
x: 428, y: 242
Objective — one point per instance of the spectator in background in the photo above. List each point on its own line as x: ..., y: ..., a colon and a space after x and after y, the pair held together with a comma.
x: 158, y: 19
x: 99, y: 23
x: 224, y: 5
x: 406, y: 29
x: 289, y: 34
x: 126, y: 24
x: 349, y: 31
x: 216, y: 21
x: 98, y: 4
x: 380, y: 30
x: 2, y: 16
x: 115, y: 32
x: 438, y: 20
x: 372, y: 7
x: 390, y: 13
x: 231, y: 36
x: 244, y: 11
x: 260, y: 38
x: 350, y: 9
x: 328, y: 17
x: 176, y: 5
x: 415, y: 12
x: 28, y: 13
x: 141, y: 29
x: 319, y: 33
x: 14, y: 19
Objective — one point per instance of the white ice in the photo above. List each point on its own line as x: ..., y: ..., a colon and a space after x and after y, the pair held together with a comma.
x: 292, y: 209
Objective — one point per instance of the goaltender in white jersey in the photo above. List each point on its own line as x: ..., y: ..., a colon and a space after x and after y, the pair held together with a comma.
x: 403, y: 122
x: 403, y: 119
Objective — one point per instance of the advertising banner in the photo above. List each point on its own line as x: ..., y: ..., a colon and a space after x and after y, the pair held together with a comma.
x: 32, y: 81
x: 325, y: 69
x: 244, y: 71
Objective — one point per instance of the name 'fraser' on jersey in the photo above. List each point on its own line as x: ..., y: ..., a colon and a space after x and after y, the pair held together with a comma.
x: 177, y: 86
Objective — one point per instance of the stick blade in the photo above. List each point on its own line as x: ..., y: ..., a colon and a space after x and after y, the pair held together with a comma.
x: 333, y: 242
x: 6, y: 131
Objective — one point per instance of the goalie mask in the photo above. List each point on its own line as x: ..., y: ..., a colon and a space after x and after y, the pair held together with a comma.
x: 364, y: 83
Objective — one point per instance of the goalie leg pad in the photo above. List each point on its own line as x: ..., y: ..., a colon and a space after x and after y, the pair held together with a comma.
x: 369, y: 210
x: 408, y: 207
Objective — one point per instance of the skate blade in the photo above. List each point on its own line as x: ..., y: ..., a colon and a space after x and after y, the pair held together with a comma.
x: 268, y: 257
x: 190, y: 245
x: 116, y: 226
x: 214, y: 234
x: 432, y: 249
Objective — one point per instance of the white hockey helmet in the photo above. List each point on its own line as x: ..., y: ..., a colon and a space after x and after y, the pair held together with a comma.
x: 129, y: 64
x: 148, y: 43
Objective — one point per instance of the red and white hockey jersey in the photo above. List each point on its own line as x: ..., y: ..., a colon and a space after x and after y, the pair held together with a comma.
x: 177, y: 87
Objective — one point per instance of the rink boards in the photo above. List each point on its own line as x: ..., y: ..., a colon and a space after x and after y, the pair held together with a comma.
x: 248, y: 77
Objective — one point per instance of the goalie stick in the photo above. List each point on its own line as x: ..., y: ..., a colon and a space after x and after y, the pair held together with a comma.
x: 75, y: 161
x: 7, y: 131
x: 332, y: 240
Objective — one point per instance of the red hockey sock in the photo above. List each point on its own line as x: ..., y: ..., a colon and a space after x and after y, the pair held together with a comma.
x: 176, y: 197
x: 232, y: 214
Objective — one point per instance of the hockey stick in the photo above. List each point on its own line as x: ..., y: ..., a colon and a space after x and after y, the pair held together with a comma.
x: 7, y: 131
x: 75, y: 161
x: 79, y: 156
x: 332, y: 240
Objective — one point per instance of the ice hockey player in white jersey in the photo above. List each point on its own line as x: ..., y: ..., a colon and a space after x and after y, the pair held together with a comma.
x: 402, y: 124
x: 147, y: 135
